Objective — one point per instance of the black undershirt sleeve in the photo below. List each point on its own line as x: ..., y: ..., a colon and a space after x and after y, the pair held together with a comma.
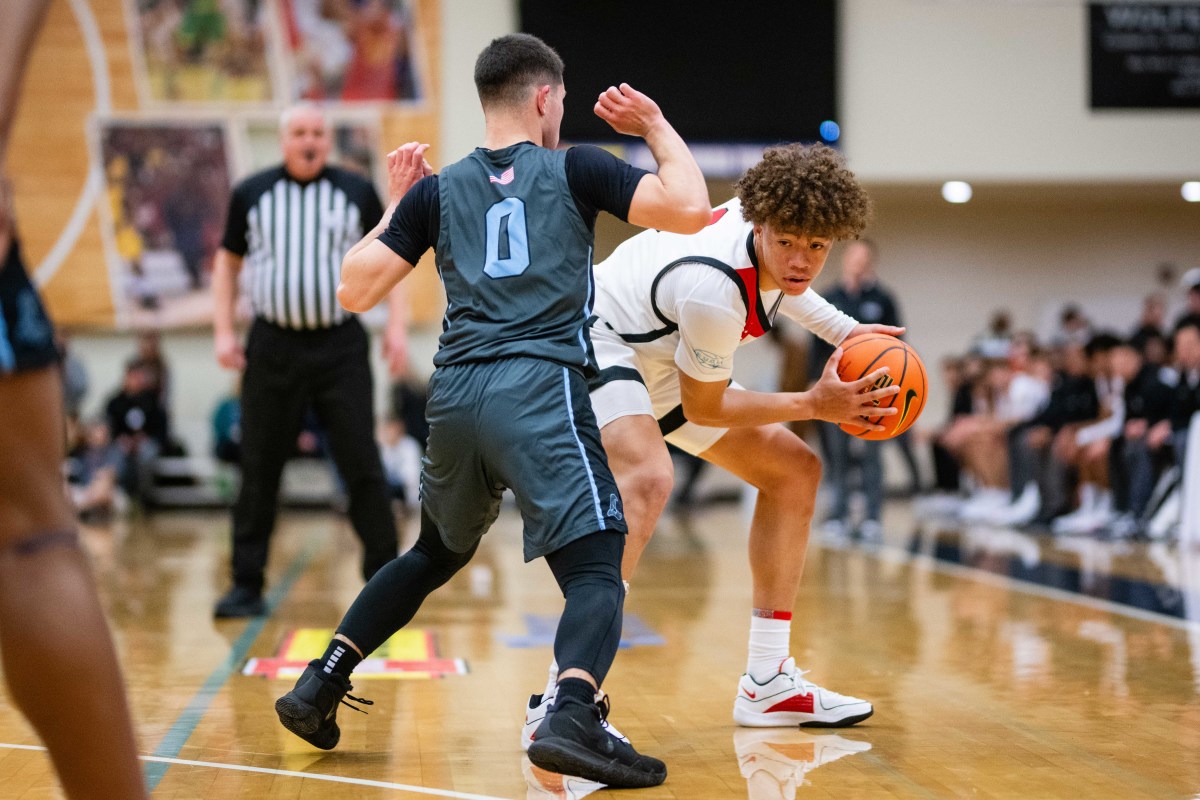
x: 600, y: 181
x: 414, y: 225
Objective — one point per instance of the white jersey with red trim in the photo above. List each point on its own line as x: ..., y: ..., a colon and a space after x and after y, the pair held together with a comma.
x: 689, y: 301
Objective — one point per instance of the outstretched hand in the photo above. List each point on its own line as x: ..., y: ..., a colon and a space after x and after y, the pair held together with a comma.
x: 627, y: 110
x: 405, y: 166
x: 835, y: 400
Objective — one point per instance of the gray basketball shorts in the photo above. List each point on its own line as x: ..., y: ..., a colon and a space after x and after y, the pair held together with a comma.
x: 524, y: 424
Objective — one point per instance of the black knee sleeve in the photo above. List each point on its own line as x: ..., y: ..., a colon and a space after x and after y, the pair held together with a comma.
x: 391, y: 598
x: 588, y: 571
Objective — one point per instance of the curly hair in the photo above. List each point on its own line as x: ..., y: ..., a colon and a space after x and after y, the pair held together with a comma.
x: 805, y: 188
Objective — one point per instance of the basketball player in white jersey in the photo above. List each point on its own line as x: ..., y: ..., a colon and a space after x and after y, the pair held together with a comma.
x: 671, y: 310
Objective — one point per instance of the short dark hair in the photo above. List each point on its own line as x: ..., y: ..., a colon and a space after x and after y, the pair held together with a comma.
x: 509, y: 66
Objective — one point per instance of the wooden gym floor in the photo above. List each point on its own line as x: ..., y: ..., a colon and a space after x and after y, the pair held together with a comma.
x: 1000, y: 665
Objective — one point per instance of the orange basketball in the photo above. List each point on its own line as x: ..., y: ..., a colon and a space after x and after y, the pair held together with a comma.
x: 862, y: 355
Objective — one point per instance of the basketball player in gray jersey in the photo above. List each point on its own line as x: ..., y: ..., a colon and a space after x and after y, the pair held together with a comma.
x: 512, y: 228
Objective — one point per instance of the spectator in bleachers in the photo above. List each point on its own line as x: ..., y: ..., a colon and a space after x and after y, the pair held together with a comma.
x: 150, y: 356
x: 1040, y: 483
x: 1152, y: 323
x: 137, y: 424
x: 1191, y: 286
x: 1084, y: 450
x: 93, y: 467
x: 995, y: 341
x: 1019, y: 388
x: 1134, y: 463
x: 74, y: 375
x: 1186, y: 401
x: 945, y: 465
x: 1156, y: 351
x: 1073, y: 328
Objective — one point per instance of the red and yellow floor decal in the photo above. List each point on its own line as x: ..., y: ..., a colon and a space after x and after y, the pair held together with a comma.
x: 411, y: 654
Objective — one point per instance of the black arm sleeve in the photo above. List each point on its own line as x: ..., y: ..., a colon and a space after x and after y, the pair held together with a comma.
x: 414, y: 225
x: 601, y: 182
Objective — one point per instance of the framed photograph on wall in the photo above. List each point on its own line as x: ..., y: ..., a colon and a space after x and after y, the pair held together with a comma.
x: 353, y: 50
x: 166, y: 190
x: 203, y: 51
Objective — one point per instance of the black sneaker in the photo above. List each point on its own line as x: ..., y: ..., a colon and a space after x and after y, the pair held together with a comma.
x: 240, y: 601
x: 310, y: 709
x: 571, y: 741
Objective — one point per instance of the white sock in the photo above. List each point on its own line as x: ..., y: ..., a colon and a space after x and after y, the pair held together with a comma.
x: 769, y: 637
x: 1089, y: 493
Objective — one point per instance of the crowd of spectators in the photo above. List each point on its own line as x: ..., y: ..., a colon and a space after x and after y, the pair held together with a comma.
x: 1081, y: 434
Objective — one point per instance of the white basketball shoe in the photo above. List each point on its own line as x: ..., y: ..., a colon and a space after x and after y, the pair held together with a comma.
x: 774, y: 762
x: 787, y: 699
x: 539, y: 704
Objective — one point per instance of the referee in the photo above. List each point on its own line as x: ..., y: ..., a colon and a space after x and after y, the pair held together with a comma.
x: 292, y: 224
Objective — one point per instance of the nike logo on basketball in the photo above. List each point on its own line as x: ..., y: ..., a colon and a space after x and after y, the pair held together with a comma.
x: 908, y: 398
x: 505, y: 178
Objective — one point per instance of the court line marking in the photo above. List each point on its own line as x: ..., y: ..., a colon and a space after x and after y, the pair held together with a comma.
x: 1016, y: 584
x: 94, y: 185
x: 316, y: 776
x: 176, y: 737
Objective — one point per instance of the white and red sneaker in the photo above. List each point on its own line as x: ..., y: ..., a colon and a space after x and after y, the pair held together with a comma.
x: 787, y: 699
x: 774, y: 762
x: 539, y: 704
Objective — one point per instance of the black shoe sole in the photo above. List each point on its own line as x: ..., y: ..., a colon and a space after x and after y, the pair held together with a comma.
x: 842, y: 723
x: 561, y: 755
x: 301, y: 719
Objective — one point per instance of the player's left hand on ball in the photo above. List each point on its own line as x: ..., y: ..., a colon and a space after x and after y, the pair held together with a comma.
x: 886, y: 330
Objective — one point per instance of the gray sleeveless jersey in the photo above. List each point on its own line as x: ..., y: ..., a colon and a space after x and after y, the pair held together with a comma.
x: 515, y: 257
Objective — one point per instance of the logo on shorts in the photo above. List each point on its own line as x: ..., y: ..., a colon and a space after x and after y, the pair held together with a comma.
x: 614, y: 508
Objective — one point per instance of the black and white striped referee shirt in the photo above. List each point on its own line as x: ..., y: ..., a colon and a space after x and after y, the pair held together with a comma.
x: 293, y: 236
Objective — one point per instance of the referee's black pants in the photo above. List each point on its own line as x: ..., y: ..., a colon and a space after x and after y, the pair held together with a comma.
x: 287, y: 372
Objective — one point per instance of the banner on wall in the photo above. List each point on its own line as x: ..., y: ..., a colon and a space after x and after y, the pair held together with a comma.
x: 1145, y: 55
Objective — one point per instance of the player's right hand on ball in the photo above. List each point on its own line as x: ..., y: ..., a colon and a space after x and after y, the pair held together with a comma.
x: 835, y: 400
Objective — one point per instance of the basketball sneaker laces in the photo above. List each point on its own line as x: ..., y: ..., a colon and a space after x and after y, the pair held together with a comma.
x: 361, y: 700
